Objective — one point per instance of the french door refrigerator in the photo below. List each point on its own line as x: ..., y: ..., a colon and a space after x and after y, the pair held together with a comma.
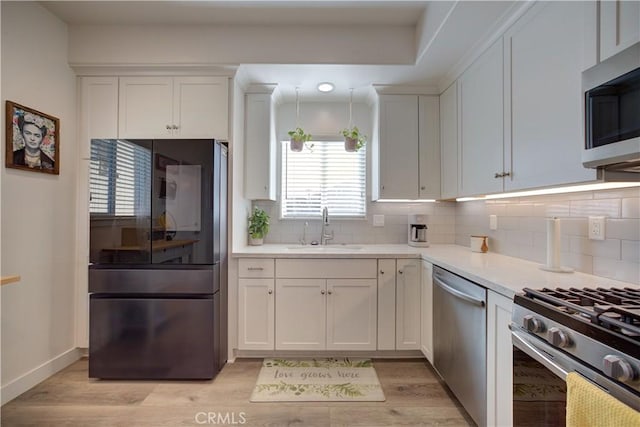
x: 157, y: 244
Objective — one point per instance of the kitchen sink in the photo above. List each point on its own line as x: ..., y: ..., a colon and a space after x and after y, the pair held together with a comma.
x: 325, y: 248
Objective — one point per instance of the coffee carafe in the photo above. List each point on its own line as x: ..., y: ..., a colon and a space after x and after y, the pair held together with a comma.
x: 418, y: 231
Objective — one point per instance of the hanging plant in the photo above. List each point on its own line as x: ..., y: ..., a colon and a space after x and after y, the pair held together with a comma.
x: 299, y: 139
x: 353, y: 139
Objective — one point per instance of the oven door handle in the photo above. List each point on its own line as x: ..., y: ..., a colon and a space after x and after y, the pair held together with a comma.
x: 561, y: 364
x: 520, y: 341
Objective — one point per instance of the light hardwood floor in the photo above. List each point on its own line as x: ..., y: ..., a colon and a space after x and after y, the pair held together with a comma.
x: 414, y: 397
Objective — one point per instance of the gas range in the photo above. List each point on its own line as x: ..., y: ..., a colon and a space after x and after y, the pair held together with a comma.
x: 598, y: 328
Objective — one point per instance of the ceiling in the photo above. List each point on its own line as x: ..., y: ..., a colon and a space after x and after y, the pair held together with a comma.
x: 445, y: 31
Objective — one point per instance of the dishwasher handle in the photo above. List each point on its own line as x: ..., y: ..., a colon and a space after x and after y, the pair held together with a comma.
x: 458, y: 294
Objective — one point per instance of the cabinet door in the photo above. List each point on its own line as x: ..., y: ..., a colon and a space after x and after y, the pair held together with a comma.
x: 619, y: 26
x: 301, y: 320
x: 543, y: 92
x: 398, y: 147
x: 256, y: 320
x: 408, y: 304
x: 386, y: 304
x: 351, y: 314
x: 259, y: 153
x: 201, y: 107
x: 481, y: 115
x: 145, y: 107
x: 426, y: 311
x: 499, y: 361
x: 449, y: 142
x: 429, y: 148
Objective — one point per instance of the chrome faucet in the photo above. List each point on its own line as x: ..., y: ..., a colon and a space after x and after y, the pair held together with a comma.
x: 324, y: 236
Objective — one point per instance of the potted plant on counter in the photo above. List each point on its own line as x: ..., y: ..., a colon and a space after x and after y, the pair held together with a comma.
x: 299, y: 139
x: 258, y: 226
x: 353, y: 139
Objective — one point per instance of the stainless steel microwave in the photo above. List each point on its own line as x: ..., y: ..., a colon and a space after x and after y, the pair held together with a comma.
x: 612, y: 113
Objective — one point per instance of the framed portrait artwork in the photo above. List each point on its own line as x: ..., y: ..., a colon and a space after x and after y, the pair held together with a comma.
x: 32, y: 140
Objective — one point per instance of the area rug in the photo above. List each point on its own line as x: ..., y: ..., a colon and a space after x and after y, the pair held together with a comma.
x: 321, y: 380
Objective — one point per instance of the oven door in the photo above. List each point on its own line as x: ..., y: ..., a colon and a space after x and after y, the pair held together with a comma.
x: 539, y: 388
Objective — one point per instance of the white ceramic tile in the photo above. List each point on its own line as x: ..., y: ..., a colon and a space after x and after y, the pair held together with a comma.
x: 579, y: 262
x: 623, y: 229
x: 535, y: 224
x: 553, y: 209
x: 445, y: 209
x: 631, y: 208
x: 617, y: 269
x: 609, y: 248
x: 520, y: 237
x: 575, y: 226
x: 631, y: 250
x: 533, y: 253
x: 520, y: 209
x: 601, y: 207
x: 509, y: 223
x: 617, y: 193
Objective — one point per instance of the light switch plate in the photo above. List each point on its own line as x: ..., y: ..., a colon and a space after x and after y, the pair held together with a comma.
x: 493, y: 222
x: 596, y: 227
x: 378, y: 220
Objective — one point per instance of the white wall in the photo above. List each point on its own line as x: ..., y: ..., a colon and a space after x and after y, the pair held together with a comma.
x: 38, y: 215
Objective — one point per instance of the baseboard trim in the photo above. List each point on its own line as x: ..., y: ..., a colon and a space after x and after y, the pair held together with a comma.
x: 34, y: 377
x: 378, y: 354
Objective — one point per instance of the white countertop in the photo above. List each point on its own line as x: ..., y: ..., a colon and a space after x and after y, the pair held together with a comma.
x: 503, y: 274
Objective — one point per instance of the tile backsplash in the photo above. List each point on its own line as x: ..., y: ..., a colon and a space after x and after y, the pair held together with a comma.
x: 521, y: 229
x: 440, y: 223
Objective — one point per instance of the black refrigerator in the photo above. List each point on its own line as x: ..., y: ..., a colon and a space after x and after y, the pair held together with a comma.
x: 157, y: 273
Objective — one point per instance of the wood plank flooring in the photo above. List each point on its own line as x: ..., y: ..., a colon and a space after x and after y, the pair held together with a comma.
x: 415, y: 397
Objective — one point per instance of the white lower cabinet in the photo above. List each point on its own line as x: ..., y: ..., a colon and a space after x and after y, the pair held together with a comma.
x: 386, y: 304
x: 256, y: 314
x: 499, y: 361
x: 256, y: 304
x: 426, y: 311
x: 326, y: 304
x: 326, y: 314
x: 408, y: 304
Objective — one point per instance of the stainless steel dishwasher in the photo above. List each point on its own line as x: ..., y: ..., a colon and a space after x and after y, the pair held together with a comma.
x: 460, y: 340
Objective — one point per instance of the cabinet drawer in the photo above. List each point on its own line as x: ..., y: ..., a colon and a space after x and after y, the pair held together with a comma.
x: 326, y: 268
x: 255, y: 267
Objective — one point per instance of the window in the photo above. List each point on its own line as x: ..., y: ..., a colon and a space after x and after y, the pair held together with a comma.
x: 119, y: 178
x: 325, y: 176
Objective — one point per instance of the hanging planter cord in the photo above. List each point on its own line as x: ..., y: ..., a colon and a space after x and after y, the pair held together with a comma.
x: 297, y: 109
x: 350, y: 107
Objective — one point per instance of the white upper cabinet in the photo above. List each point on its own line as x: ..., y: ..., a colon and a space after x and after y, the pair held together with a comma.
x: 201, y: 107
x: 168, y: 107
x: 449, y: 144
x: 399, y: 124
x: 619, y: 26
x: 543, y: 119
x: 481, y: 99
x: 260, y: 148
x: 429, y: 147
x: 409, y: 148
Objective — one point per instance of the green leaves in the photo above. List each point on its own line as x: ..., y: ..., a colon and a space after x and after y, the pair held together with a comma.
x: 258, y: 223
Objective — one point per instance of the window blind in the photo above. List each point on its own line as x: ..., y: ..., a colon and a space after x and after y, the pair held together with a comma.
x: 119, y: 178
x: 325, y: 176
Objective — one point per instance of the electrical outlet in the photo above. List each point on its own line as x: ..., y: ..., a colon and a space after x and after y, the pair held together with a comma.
x: 378, y: 220
x: 493, y: 222
x: 596, y: 227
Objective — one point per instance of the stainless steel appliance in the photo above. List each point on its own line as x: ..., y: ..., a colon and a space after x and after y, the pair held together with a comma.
x: 594, y: 332
x: 417, y: 231
x: 157, y: 245
x: 459, y: 340
x: 612, y: 121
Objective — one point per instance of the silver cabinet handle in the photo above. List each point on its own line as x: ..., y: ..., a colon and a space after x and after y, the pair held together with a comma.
x: 168, y: 127
x: 255, y: 268
x: 400, y: 271
x: 381, y: 271
x: 175, y: 127
x: 458, y: 294
x: 270, y: 291
x: 322, y: 292
x: 423, y: 187
x: 506, y: 174
x: 329, y: 292
x: 498, y: 175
